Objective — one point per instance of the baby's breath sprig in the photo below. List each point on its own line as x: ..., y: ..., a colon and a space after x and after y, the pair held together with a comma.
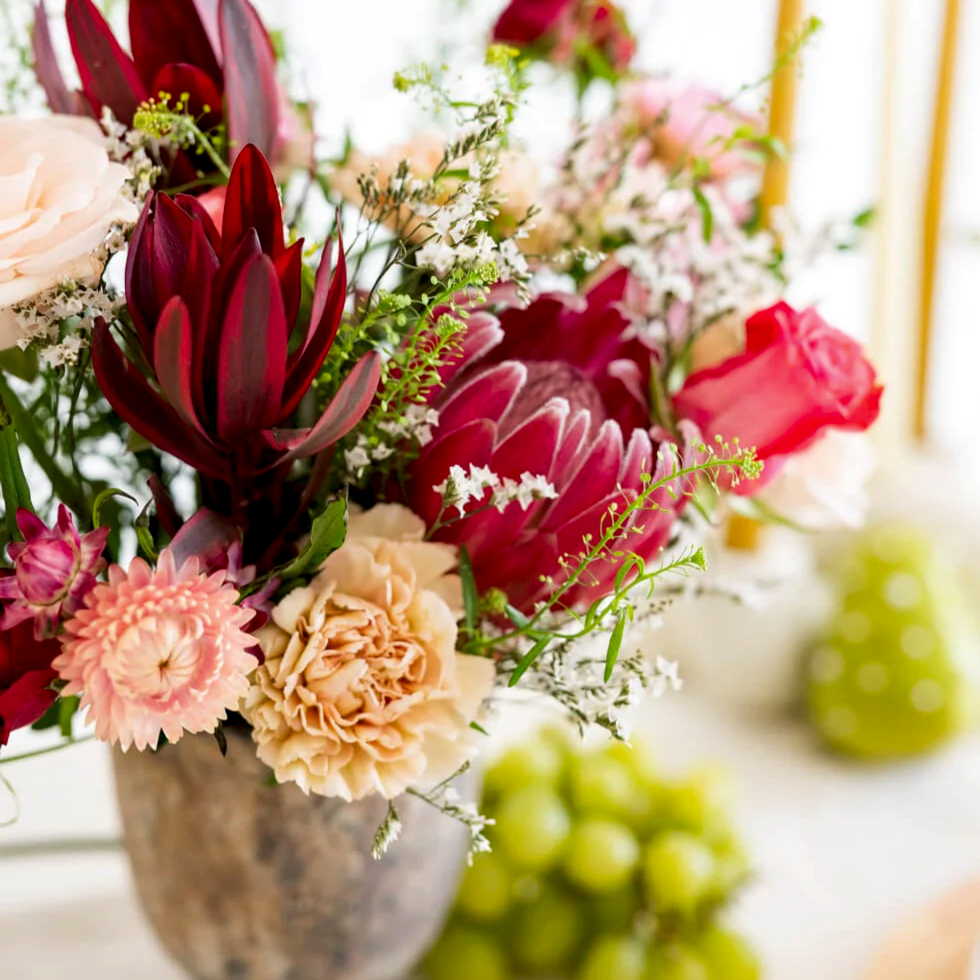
x: 160, y: 120
x: 421, y: 336
x: 547, y: 647
x: 445, y: 798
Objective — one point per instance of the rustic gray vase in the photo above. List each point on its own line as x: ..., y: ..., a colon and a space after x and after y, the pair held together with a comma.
x: 246, y: 881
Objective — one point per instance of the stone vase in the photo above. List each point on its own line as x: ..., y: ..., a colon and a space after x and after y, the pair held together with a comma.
x: 243, y: 880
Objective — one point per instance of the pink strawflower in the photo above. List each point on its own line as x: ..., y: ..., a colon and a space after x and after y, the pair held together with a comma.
x: 156, y: 651
x: 54, y: 569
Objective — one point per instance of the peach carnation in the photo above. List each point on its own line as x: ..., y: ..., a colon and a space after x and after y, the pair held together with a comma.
x: 362, y: 690
x: 157, y: 650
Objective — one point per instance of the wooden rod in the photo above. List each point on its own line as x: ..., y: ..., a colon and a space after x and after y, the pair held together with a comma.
x: 932, y: 214
x: 782, y: 107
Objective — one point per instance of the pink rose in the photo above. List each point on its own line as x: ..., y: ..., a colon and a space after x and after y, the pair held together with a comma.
x: 60, y: 195
x: 689, y: 122
x: 797, y: 377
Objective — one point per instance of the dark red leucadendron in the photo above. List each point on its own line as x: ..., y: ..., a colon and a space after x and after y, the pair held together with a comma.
x: 222, y: 357
x: 217, y: 52
x: 25, y: 678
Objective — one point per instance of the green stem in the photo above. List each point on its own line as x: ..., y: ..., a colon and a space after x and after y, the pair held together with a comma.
x: 64, y: 489
x: 6, y: 760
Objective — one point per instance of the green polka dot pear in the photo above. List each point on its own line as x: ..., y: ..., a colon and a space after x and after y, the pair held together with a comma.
x: 897, y: 674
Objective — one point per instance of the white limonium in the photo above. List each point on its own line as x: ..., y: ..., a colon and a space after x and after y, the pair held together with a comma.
x: 460, y: 487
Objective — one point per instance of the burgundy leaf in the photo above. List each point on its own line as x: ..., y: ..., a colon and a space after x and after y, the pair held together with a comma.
x: 207, y: 536
x: 345, y: 410
x: 251, y: 91
x: 140, y: 291
x: 46, y: 67
x: 172, y: 230
x: 166, y: 509
x: 252, y: 201
x: 109, y: 77
x: 203, y: 96
x: 289, y: 269
x: 173, y: 360
x: 252, y: 353
x: 208, y: 344
x: 139, y: 405
x: 167, y: 34
x: 197, y: 210
x: 207, y: 10
x: 328, y: 309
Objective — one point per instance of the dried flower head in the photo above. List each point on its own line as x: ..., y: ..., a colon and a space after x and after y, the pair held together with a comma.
x: 157, y: 650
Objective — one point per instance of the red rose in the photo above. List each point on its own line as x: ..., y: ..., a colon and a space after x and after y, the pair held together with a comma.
x: 557, y: 29
x: 526, y: 21
x: 25, y: 678
x: 797, y: 378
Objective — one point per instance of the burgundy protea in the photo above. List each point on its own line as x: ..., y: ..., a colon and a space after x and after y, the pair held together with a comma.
x: 221, y: 356
x: 218, y: 53
x: 54, y: 569
x: 547, y: 418
x: 26, y: 676
x: 591, y: 335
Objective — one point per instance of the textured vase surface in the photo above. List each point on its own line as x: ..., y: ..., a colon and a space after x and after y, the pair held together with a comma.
x: 246, y: 881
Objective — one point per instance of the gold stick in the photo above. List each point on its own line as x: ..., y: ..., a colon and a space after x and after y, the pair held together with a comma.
x: 932, y: 214
x: 782, y: 108
x: 745, y: 533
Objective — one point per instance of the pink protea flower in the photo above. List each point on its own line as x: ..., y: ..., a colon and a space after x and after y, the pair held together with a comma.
x: 557, y: 391
x: 54, y: 569
x: 157, y: 650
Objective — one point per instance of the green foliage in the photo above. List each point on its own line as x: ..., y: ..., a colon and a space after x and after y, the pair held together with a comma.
x: 158, y: 119
x: 16, y: 492
x: 326, y: 536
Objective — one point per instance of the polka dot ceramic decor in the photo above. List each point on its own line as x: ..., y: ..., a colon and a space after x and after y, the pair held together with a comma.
x: 897, y: 672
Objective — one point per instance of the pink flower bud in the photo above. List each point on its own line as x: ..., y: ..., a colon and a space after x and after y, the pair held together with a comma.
x: 54, y: 569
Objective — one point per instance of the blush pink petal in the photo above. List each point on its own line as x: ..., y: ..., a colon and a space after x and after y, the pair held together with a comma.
x: 157, y: 651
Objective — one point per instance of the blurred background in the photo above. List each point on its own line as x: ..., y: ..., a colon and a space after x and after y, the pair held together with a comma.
x: 844, y: 851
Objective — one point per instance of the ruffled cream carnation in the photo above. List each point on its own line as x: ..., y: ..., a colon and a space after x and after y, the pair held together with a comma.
x: 157, y: 650
x: 59, y: 196
x: 362, y: 690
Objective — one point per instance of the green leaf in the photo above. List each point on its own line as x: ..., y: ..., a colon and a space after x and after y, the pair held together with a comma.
x: 327, y: 534
x: 105, y: 495
x: 707, y: 216
x: 67, y: 707
x: 615, y: 642
x: 521, y: 669
x: 631, y: 563
x: 516, y: 616
x: 864, y: 219
x: 143, y: 534
x: 16, y: 492
x: 471, y: 599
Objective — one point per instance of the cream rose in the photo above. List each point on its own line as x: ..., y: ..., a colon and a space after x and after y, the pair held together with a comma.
x: 362, y: 690
x: 59, y: 196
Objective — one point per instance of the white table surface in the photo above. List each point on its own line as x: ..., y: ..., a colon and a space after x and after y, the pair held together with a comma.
x: 844, y: 852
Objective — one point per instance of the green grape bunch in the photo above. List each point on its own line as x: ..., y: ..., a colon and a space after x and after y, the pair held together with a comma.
x: 601, y: 869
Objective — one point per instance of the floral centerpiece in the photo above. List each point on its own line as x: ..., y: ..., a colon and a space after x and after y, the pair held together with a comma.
x: 462, y: 435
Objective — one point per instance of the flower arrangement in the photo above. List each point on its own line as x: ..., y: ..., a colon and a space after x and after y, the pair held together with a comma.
x: 381, y: 467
